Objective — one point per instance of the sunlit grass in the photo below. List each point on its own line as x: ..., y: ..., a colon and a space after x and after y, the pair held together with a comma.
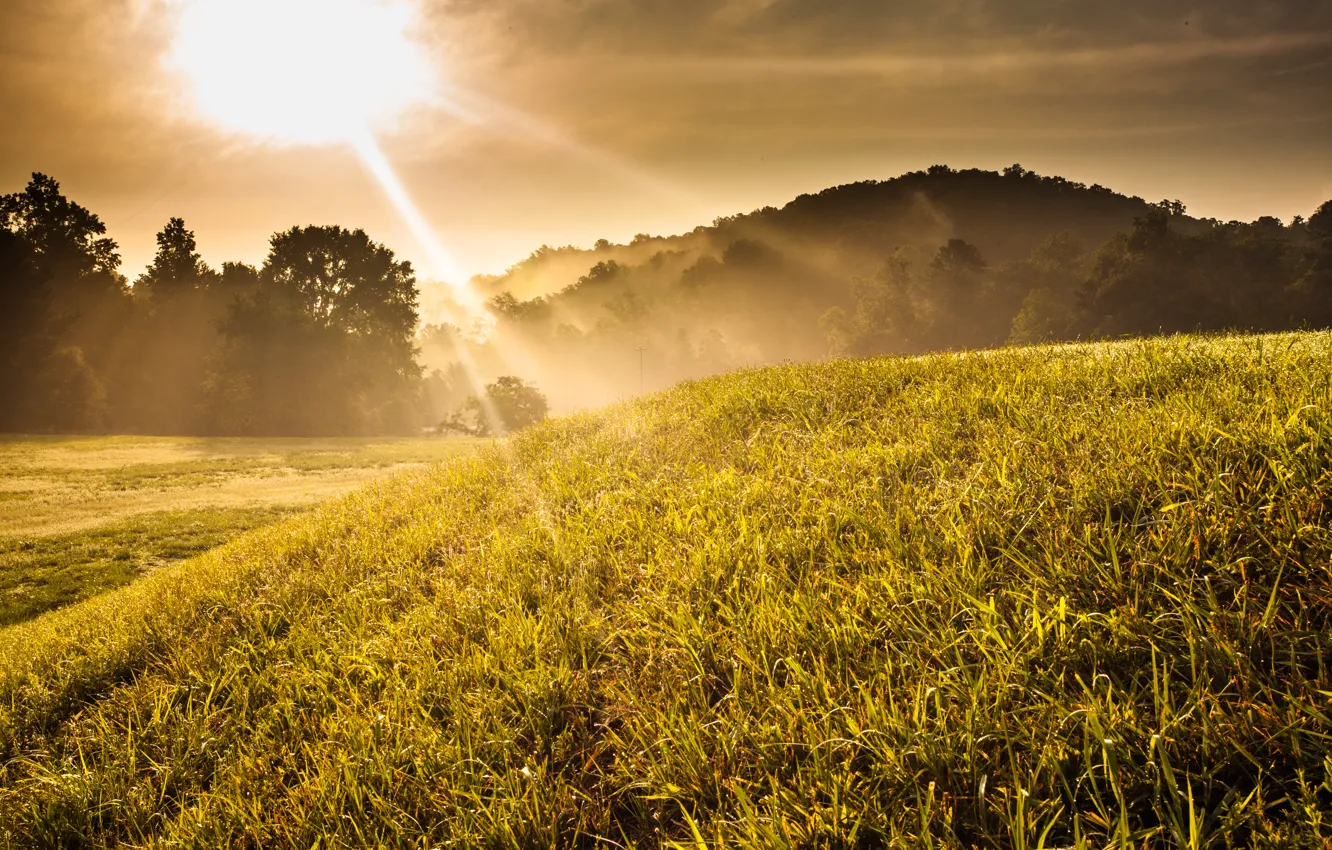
x: 1051, y: 597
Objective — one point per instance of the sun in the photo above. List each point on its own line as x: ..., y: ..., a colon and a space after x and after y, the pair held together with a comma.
x: 300, y: 71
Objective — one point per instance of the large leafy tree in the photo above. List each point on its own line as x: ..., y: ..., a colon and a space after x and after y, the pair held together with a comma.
x: 69, y: 256
x: 45, y: 386
x: 340, y: 278
x: 325, y: 344
x: 79, y: 262
x: 70, y: 241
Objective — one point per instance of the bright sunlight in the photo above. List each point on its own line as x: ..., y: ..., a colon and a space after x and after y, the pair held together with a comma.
x: 312, y: 72
x: 300, y: 71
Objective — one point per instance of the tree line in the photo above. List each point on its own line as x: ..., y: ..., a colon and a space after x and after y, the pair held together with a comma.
x: 319, y: 340
x: 1163, y: 275
x: 325, y: 337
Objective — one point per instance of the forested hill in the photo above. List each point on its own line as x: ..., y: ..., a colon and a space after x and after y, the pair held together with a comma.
x: 1005, y: 215
x: 851, y: 228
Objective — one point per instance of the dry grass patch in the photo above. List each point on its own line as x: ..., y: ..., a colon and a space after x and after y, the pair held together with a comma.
x: 79, y: 516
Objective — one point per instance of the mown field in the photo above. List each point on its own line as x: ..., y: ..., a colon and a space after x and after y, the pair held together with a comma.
x: 79, y: 516
x: 1048, y: 597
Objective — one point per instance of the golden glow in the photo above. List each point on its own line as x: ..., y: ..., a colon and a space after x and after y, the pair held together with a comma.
x: 300, y: 71
x: 440, y: 264
x: 332, y: 72
x: 312, y: 72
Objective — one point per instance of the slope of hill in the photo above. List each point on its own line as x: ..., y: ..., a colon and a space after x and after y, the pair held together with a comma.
x: 1040, y: 597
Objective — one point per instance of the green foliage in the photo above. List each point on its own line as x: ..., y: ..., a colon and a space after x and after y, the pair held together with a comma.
x: 63, y: 304
x: 322, y: 340
x: 179, y: 301
x: 1156, y: 278
x: 517, y: 403
x: 1315, y: 286
x: 340, y: 279
x: 177, y: 268
x: 45, y: 386
x: 1046, y: 597
x: 1043, y: 317
x: 70, y: 240
x: 885, y: 319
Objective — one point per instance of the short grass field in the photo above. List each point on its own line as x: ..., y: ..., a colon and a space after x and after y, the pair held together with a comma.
x: 1063, y: 597
x: 79, y: 516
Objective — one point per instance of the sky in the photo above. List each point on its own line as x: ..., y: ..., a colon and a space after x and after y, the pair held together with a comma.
x: 566, y: 121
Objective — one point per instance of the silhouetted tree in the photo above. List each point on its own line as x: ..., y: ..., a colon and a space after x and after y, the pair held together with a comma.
x: 177, y: 268
x: 1158, y: 279
x: 322, y: 339
x: 80, y: 264
x: 1314, y: 288
x: 340, y: 279
x: 179, y: 303
x: 69, y: 240
x: 325, y: 345
x: 237, y: 279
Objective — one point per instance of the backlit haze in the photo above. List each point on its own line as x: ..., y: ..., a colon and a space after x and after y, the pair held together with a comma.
x: 465, y: 134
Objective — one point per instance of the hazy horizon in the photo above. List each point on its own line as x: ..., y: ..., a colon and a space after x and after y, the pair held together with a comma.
x: 642, y: 117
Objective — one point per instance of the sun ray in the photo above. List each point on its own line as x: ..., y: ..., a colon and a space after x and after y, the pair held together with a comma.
x: 441, y: 264
x: 323, y: 72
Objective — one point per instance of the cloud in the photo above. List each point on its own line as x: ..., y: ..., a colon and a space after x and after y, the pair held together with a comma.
x: 978, y: 59
x: 758, y: 26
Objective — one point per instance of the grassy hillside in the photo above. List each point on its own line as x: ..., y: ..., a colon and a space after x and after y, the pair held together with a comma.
x: 1046, y: 597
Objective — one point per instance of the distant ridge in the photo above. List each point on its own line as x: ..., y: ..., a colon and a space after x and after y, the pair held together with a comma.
x: 1005, y: 214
